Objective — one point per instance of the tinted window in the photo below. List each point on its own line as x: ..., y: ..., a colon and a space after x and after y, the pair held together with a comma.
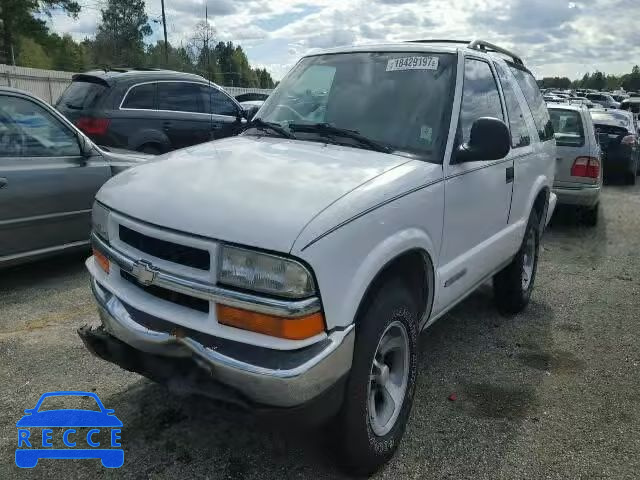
x: 480, y: 97
x: 80, y: 95
x: 399, y: 99
x: 568, y: 128
x: 142, y: 96
x: 180, y: 97
x: 28, y: 130
x: 218, y: 103
x: 536, y: 103
x: 517, y: 124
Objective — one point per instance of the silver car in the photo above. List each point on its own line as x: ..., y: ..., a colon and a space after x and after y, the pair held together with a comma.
x: 49, y: 175
x: 578, y: 179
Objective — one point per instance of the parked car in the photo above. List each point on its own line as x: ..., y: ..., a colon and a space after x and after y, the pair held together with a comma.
x: 617, y: 133
x: 632, y: 105
x: 152, y: 111
x: 619, y: 97
x: 603, y: 99
x: 578, y: 178
x: 298, y: 263
x: 49, y: 175
x: 582, y: 101
x: 251, y: 107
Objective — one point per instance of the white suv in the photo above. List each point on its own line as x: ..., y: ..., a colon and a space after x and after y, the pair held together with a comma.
x: 293, y: 267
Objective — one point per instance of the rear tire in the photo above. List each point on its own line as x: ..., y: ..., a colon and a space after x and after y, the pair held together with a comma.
x: 371, y: 424
x: 512, y: 286
x: 631, y: 178
x: 590, y: 215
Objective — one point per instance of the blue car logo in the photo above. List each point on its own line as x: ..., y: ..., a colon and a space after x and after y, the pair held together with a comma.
x: 71, y: 424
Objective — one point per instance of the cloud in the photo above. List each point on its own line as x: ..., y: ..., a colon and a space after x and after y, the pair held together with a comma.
x: 554, y: 37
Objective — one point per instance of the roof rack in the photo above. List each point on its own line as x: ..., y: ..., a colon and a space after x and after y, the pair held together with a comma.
x: 490, y: 47
x: 475, y: 45
x: 466, y: 42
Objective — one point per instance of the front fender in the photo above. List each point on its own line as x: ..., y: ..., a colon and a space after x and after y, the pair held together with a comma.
x: 346, y: 261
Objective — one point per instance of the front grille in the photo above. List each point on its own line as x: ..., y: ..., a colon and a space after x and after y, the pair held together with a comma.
x: 172, y: 252
x: 169, y: 295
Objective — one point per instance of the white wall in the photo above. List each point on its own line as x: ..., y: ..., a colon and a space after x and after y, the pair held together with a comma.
x: 49, y: 84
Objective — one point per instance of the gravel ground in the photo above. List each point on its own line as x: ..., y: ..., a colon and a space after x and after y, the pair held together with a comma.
x: 551, y: 393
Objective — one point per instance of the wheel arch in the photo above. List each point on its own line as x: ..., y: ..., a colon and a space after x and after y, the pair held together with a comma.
x: 414, y: 267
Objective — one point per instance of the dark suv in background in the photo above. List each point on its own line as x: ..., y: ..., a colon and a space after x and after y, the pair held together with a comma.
x: 152, y: 111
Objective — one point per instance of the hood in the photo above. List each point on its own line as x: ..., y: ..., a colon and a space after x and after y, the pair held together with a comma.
x: 256, y: 191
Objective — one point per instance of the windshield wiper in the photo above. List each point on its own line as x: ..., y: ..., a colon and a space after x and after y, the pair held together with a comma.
x: 331, y: 130
x: 262, y: 125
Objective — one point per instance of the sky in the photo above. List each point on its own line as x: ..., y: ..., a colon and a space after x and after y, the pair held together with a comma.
x: 554, y: 37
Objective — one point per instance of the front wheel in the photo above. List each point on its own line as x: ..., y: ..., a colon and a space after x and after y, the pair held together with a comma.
x: 512, y: 286
x: 382, y: 381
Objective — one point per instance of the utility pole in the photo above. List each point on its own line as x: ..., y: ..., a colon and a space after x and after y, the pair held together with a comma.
x: 164, y: 26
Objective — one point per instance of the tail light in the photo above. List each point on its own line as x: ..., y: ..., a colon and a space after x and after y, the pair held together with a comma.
x: 588, y: 167
x: 93, y: 126
x: 628, y: 140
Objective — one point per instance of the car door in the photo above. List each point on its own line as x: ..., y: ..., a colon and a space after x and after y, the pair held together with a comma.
x: 47, y: 185
x: 225, y: 112
x: 477, y: 194
x: 186, y: 121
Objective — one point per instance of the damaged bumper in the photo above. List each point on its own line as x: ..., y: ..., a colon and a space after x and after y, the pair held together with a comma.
x: 193, y: 362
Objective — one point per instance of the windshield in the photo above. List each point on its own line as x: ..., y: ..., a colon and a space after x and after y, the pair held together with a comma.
x: 80, y: 95
x: 619, y: 119
x: 66, y: 402
x: 400, y: 100
x: 567, y: 126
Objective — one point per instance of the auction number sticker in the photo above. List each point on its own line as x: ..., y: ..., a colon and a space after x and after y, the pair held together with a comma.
x: 412, y: 63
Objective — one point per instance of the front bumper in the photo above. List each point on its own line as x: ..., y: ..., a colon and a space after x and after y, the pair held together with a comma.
x: 580, y: 195
x: 254, y: 375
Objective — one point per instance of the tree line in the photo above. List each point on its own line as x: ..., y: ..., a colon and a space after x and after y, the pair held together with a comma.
x: 597, y: 81
x: 25, y: 40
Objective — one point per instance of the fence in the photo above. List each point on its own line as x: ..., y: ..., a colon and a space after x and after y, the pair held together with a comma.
x: 49, y: 84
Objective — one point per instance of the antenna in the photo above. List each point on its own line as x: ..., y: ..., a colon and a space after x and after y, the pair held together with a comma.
x: 206, y: 50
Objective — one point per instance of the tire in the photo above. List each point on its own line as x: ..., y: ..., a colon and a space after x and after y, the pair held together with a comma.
x: 510, y: 292
x: 151, y: 149
x: 590, y: 215
x: 631, y: 178
x: 365, y: 443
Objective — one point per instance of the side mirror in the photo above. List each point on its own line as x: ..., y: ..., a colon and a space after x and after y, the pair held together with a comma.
x: 86, y: 147
x: 489, y: 140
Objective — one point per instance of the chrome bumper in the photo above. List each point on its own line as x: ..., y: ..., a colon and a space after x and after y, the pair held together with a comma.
x: 583, y: 195
x: 274, y: 387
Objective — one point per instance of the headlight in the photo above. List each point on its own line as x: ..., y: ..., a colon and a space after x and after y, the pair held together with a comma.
x: 264, y: 273
x: 100, y: 220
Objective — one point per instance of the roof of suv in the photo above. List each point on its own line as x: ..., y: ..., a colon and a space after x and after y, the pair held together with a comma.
x: 444, y: 46
x: 113, y: 76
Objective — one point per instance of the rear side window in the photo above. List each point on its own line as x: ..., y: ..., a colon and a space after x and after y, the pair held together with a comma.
x: 518, y: 126
x: 480, y: 97
x: 141, y: 97
x: 180, y: 97
x: 568, y: 127
x: 81, y: 95
x: 536, y: 103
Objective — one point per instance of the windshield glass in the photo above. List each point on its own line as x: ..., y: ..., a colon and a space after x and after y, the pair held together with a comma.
x: 398, y: 99
x: 619, y: 119
x: 567, y: 126
x: 65, y: 402
x: 80, y: 95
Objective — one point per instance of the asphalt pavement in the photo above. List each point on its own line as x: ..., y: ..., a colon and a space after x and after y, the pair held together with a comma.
x: 551, y: 393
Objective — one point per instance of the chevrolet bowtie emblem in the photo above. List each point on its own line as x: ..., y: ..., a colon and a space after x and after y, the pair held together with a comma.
x: 143, y: 272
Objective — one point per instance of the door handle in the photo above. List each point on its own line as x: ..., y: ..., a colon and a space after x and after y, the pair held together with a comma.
x: 3, y: 182
x: 509, y: 174
x: 166, y: 125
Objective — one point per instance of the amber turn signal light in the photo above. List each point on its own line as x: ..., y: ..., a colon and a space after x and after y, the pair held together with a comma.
x: 101, y: 260
x: 289, y: 328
